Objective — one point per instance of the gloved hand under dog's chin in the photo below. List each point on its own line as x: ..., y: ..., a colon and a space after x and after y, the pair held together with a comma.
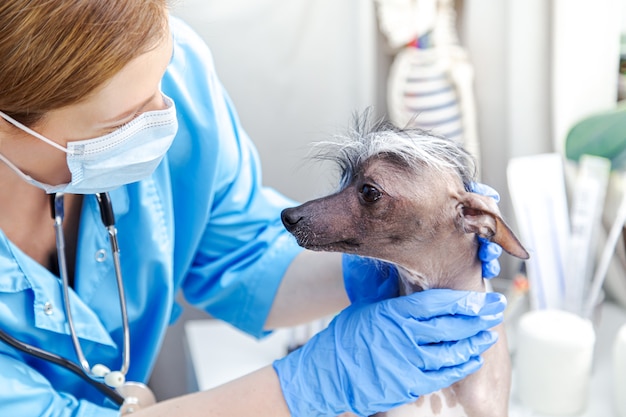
x: 376, y: 356
x: 368, y: 280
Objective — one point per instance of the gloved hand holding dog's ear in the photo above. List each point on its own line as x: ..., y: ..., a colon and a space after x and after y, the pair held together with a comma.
x: 488, y: 252
x: 367, y: 280
x: 373, y: 357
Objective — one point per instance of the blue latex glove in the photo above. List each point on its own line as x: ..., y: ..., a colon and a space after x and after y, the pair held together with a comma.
x: 367, y: 280
x: 373, y: 357
x: 488, y: 252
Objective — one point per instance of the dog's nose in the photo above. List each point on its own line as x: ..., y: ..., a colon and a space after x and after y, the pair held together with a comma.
x: 290, y: 217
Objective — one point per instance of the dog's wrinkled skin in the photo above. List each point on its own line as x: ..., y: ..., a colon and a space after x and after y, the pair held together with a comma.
x: 425, y: 222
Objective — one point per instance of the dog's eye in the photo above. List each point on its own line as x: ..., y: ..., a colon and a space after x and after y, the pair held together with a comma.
x: 370, y: 194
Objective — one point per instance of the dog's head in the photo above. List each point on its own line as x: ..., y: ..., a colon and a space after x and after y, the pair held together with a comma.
x: 404, y: 195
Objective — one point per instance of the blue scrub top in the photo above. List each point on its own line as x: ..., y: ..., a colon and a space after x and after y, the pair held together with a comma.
x: 202, y: 224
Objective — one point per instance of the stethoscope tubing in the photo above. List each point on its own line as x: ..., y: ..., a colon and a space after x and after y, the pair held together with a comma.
x: 83, y: 370
x: 108, y: 219
x: 111, y: 393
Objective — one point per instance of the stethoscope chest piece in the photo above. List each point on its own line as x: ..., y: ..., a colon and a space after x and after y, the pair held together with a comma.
x: 136, y: 396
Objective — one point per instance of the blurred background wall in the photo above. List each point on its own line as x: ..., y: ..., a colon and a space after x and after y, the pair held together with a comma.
x: 297, y: 70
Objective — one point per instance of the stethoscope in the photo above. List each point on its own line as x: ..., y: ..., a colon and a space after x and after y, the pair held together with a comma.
x: 130, y: 396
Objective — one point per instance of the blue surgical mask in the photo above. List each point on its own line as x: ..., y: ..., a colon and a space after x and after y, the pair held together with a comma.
x: 128, y: 154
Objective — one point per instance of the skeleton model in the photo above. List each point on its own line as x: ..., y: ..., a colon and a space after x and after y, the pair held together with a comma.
x: 430, y: 79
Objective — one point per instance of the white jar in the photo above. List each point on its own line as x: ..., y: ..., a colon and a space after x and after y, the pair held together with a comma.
x: 619, y: 372
x: 553, y: 361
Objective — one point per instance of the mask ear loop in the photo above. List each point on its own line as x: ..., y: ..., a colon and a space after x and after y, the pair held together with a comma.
x: 33, y: 133
x: 15, y: 169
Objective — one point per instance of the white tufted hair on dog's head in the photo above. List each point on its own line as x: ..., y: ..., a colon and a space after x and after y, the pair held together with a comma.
x: 412, y: 148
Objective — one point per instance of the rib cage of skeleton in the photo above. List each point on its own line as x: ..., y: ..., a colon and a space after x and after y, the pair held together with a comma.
x: 430, y: 82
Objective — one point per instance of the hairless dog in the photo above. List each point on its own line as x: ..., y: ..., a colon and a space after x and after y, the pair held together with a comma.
x: 405, y: 199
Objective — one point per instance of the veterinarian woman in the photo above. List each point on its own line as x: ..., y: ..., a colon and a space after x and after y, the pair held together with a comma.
x: 112, y: 113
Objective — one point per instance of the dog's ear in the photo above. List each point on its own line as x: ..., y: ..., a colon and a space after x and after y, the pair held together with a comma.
x: 480, y: 215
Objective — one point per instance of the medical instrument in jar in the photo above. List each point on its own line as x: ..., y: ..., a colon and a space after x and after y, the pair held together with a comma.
x: 595, y: 288
x: 587, y: 204
x: 131, y: 396
x: 537, y: 189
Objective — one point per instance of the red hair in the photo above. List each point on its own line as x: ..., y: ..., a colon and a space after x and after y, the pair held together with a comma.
x: 54, y: 53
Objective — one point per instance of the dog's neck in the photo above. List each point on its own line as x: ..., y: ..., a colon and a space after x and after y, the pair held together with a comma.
x: 457, y: 270
x: 411, y: 282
